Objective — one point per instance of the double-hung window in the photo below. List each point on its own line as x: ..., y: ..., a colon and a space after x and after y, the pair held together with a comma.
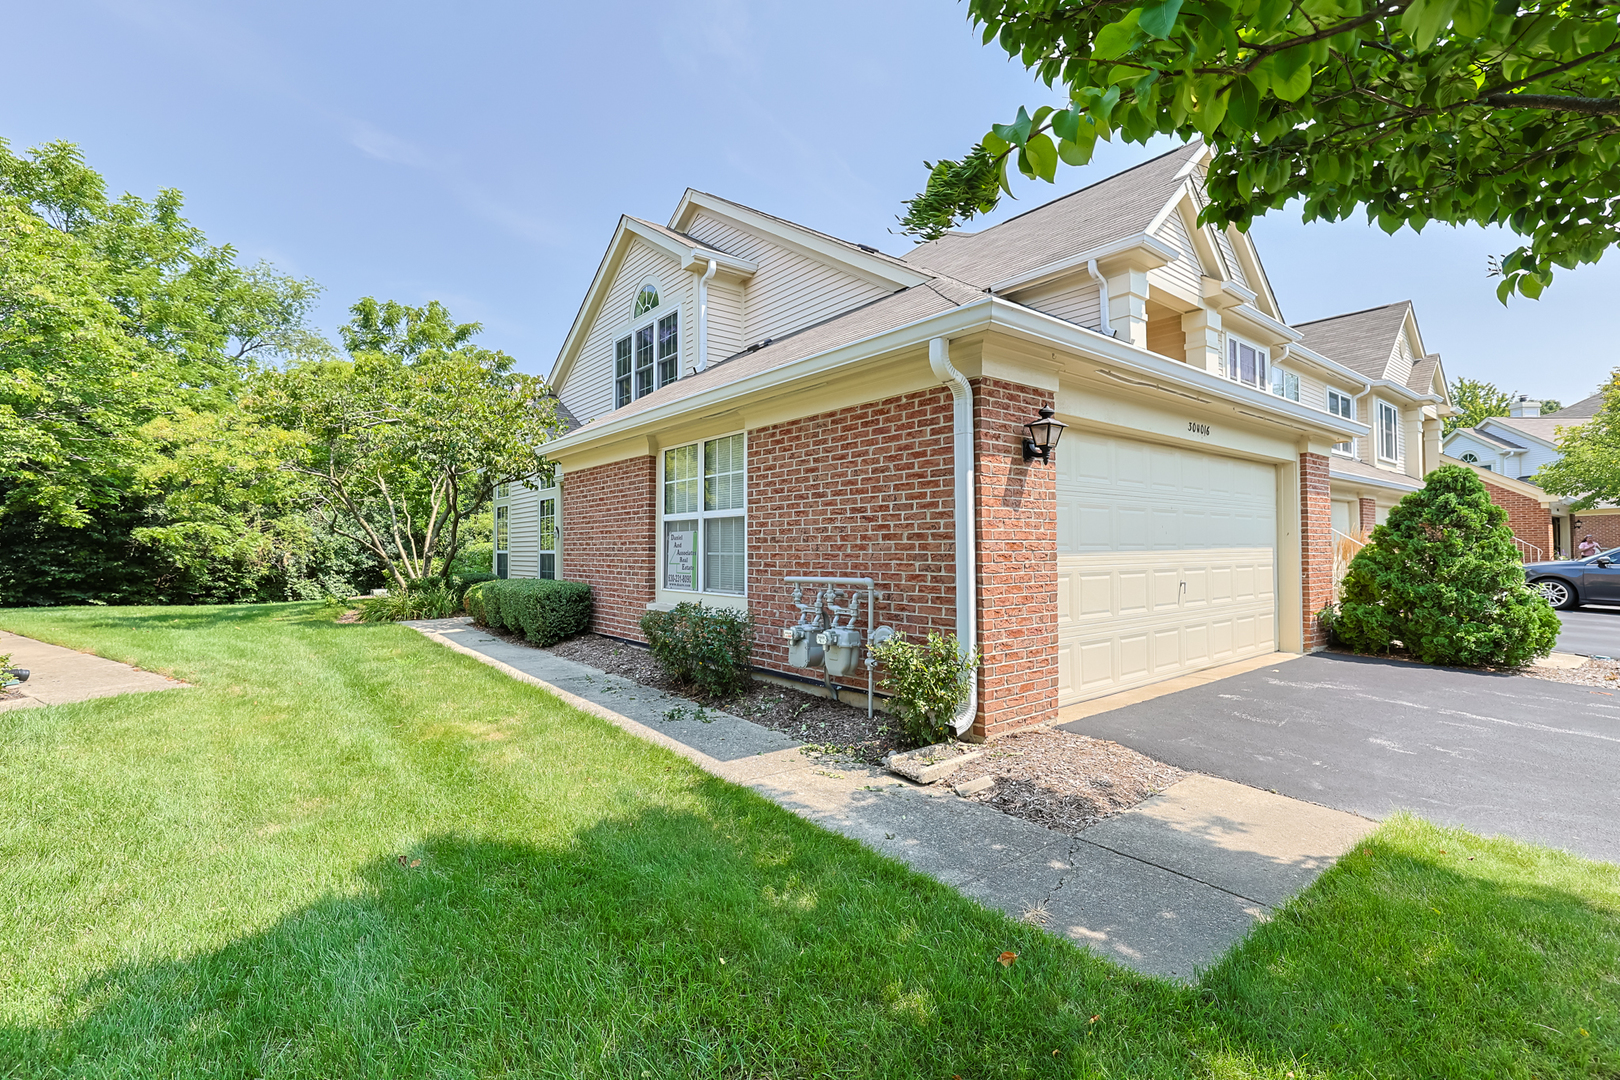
x: 1389, y: 420
x: 501, y: 540
x: 1342, y: 405
x: 548, y: 538
x: 649, y: 356
x: 1245, y: 363
x: 704, y: 515
x: 1285, y: 384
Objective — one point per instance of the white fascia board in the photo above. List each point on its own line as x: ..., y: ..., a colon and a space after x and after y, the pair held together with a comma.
x: 1402, y: 390
x: 1154, y: 371
x: 1260, y: 318
x: 864, y: 264
x: 1157, y: 250
x: 1357, y: 478
x: 1332, y: 367
x: 691, y: 256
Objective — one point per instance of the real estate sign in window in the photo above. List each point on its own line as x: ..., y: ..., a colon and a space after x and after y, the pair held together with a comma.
x: 704, y: 511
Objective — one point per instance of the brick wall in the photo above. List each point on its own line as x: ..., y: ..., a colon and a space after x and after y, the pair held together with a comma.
x: 1604, y: 528
x: 1529, y: 520
x: 609, y: 524
x: 860, y: 492
x: 1315, y: 544
x: 1017, y: 540
x: 1369, y: 515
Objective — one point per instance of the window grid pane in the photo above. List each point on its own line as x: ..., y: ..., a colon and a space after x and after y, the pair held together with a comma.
x: 500, y: 528
x: 621, y: 373
x: 681, y: 481
x: 669, y: 346
x: 548, y: 524
x: 725, y: 559
x: 644, y: 360
x: 548, y: 566
x: 723, y: 474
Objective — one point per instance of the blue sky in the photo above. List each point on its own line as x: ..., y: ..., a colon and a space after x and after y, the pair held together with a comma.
x: 480, y: 153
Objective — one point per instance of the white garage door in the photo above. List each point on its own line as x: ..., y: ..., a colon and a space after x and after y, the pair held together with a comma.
x: 1166, y: 562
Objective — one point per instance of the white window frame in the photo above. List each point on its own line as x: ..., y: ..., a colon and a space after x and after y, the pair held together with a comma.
x: 700, y: 584
x: 1469, y: 456
x: 1284, y: 384
x: 652, y: 320
x: 1386, y: 409
x: 1348, y: 447
x: 502, y: 542
x: 1234, y: 345
x: 548, y: 546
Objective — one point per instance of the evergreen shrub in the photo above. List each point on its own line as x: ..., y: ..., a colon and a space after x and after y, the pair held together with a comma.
x: 543, y: 611
x: 705, y: 647
x: 1443, y: 579
x: 927, y: 682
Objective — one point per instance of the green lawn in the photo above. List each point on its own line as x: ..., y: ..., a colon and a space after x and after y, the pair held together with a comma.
x: 350, y: 852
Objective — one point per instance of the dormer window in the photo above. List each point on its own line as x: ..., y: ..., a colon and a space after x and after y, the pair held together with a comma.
x: 1285, y: 384
x: 1470, y: 457
x: 646, y: 300
x: 1245, y: 363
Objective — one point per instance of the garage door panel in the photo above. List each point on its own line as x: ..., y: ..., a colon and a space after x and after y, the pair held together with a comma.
x: 1166, y: 562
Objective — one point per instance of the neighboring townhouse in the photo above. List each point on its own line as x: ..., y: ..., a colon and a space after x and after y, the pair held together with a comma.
x: 760, y: 401
x: 1519, y: 444
x: 1402, y: 398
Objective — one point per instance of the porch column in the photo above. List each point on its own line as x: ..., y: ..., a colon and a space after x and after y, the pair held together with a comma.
x: 1369, y: 514
x: 1315, y: 546
x: 1127, y: 306
x: 1203, y: 329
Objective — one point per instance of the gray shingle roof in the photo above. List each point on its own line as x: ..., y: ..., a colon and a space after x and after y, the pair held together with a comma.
x: 1544, y: 428
x: 1351, y: 469
x: 1122, y: 205
x: 1491, y: 437
x: 1422, y: 378
x: 1361, y: 340
x: 1583, y: 408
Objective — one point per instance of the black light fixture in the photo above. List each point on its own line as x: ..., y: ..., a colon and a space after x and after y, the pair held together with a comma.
x: 1043, y: 435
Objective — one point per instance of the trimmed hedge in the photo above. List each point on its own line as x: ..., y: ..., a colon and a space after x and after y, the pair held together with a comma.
x: 705, y: 647
x: 545, y: 612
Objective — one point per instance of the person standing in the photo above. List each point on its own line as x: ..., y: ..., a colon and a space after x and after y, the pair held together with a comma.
x: 1589, y: 547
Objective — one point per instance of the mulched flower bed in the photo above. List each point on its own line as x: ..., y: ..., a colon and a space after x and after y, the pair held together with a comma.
x: 830, y: 727
x: 1604, y: 674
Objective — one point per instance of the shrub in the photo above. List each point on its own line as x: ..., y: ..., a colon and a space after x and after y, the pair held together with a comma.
x: 462, y: 580
x: 927, y: 683
x: 425, y: 599
x: 705, y: 647
x: 1442, y: 578
x: 543, y: 611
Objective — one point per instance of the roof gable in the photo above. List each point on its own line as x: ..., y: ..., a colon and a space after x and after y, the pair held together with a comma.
x: 1583, y: 409
x: 1364, y: 341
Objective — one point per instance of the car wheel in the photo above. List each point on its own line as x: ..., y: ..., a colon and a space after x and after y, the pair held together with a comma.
x: 1558, y: 593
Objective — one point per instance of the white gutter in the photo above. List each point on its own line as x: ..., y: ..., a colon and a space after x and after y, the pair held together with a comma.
x: 1103, y: 326
x: 703, y: 315
x: 967, y: 520
x: 1155, y: 247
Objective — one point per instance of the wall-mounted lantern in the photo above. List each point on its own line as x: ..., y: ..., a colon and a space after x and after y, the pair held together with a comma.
x: 1042, y: 436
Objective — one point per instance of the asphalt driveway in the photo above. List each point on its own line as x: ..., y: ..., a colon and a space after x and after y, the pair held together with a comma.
x: 1590, y: 631
x: 1523, y: 757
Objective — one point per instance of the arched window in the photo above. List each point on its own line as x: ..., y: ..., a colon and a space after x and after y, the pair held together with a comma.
x: 1470, y: 457
x: 646, y: 300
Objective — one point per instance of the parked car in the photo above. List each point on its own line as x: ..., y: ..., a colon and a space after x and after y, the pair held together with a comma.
x: 1570, y: 583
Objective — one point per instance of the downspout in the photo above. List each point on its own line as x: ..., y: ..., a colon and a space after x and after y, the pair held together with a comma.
x: 703, y: 315
x: 1102, y: 297
x: 967, y: 555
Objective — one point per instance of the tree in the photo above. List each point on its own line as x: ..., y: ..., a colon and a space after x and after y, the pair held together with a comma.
x: 1414, y: 110
x: 1588, y: 470
x: 1443, y: 579
x: 1476, y: 401
x: 402, y: 442
x: 1551, y: 405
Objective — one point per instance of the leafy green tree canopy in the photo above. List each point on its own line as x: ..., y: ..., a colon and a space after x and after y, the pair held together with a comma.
x: 400, y: 444
x: 1589, y: 470
x: 1442, y: 578
x: 1415, y: 110
x: 1475, y: 401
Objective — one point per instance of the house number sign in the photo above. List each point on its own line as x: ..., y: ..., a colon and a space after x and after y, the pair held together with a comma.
x: 1198, y: 429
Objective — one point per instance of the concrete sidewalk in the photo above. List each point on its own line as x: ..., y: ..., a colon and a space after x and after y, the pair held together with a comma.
x: 1165, y: 888
x: 58, y: 676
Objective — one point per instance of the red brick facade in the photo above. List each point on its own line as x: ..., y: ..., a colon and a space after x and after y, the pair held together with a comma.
x: 1604, y: 528
x: 861, y: 492
x: 1017, y: 540
x: 609, y: 525
x: 1530, y: 521
x: 1316, y: 545
x: 1369, y: 515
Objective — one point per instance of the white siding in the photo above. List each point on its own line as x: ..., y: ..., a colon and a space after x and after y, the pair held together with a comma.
x: 725, y: 320
x: 1185, y: 271
x: 1229, y: 253
x: 588, y: 389
x: 1071, y: 298
x: 1400, y: 361
x: 523, y: 533
x: 789, y: 290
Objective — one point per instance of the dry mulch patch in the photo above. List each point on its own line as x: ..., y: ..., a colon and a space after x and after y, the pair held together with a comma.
x: 1063, y: 781
x: 1055, y: 779
x: 1604, y: 674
